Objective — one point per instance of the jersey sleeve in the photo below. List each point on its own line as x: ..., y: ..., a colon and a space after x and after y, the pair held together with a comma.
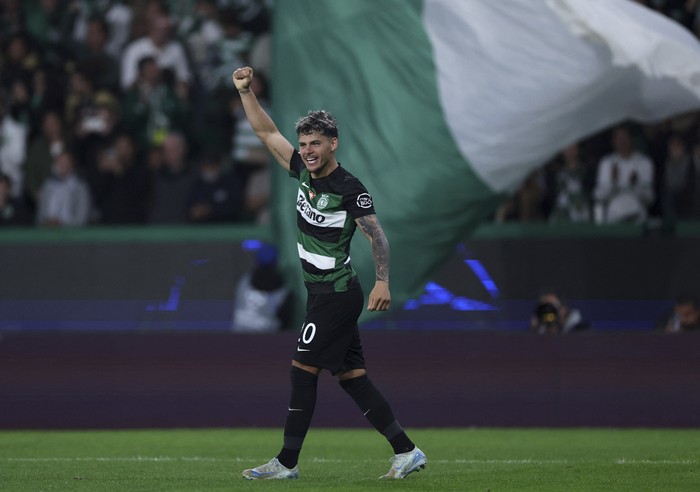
x: 356, y: 200
x: 296, y: 164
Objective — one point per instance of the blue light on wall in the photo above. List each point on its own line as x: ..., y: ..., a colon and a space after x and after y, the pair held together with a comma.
x: 436, y: 295
x: 173, y: 300
x: 483, y: 277
x: 252, y: 244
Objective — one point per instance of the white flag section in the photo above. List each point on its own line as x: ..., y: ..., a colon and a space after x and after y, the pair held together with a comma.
x: 520, y: 79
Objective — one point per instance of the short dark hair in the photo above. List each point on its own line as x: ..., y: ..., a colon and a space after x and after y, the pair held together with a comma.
x: 321, y: 122
x: 102, y: 22
x: 145, y: 60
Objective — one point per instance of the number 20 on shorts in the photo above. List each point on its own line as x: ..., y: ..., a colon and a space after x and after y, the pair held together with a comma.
x: 308, y: 333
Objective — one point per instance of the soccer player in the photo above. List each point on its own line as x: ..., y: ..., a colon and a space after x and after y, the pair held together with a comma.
x: 331, y: 203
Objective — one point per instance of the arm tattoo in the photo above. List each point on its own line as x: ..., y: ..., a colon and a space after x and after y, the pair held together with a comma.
x: 370, y: 227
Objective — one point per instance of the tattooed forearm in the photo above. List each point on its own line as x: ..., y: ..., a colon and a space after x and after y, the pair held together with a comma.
x: 370, y: 227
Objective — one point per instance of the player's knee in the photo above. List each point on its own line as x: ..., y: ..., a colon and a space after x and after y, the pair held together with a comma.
x: 303, y: 367
x: 351, y: 374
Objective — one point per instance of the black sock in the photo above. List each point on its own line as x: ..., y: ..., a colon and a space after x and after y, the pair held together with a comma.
x: 301, y: 408
x: 378, y: 412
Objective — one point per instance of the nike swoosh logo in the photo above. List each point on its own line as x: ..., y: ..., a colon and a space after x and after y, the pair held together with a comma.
x: 305, y: 185
x: 303, y: 350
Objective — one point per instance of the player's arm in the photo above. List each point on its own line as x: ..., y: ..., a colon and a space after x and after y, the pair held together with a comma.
x: 380, y: 297
x: 262, y: 124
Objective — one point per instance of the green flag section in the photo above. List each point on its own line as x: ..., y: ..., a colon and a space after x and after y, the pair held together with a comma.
x: 446, y: 105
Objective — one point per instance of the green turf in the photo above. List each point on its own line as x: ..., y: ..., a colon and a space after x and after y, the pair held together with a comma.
x: 458, y: 459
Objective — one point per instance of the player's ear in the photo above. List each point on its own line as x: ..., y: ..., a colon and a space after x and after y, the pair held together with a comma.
x: 334, y: 143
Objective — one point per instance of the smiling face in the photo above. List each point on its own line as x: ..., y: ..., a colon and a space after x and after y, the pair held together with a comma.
x: 318, y: 153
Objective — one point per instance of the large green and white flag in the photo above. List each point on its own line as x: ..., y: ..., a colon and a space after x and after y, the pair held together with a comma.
x: 444, y: 106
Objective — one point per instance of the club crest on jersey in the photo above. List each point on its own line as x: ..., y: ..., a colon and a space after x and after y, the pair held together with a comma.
x: 364, y: 200
x: 322, y: 202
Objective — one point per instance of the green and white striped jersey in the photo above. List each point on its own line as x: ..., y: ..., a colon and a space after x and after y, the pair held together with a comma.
x: 326, y: 211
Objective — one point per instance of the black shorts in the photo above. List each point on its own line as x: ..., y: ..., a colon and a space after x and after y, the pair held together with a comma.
x: 329, y: 337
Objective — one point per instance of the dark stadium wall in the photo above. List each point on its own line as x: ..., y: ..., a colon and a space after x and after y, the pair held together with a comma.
x: 433, y: 379
x: 177, y: 279
x: 141, y: 279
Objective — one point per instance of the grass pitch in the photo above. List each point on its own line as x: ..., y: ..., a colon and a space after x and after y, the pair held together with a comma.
x: 351, y: 460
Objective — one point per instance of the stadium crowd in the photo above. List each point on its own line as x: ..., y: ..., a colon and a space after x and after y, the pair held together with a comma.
x: 122, y: 112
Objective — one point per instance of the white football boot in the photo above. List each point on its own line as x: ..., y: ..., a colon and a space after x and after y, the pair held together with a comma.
x: 405, y: 463
x: 272, y: 470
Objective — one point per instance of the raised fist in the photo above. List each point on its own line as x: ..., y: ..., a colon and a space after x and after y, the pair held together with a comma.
x: 242, y: 78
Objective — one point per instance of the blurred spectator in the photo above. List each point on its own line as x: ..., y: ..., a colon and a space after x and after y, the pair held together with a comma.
x: 172, y: 184
x: 31, y: 86
x: 154, y: 158
x: 12, y: 210
x: 19, y: 104
x: 624, y: 187
x: 262, y: 302
x: 97, y: 126
x: 654, y: 144
x: 215, y: 126
x: 43, y: 150
x: 257, y: 196
x: 117, y: 15
x: 679, y: 181
x: 202, y: 32
x: 48, y: 94
x: 168, y: 53
x: 143, y: 12
x: 92, y: 55
x: 527, y: 203
x: 152, y: 109
x: 79, y: 95
x: 231, y: 51
x: 49, y: 22
x: 685, y: 315
x: 13, y: 148
x: 572, y: 201
x: 552, y: 315
x: 122, y: 184
x: 11, y: 18
x: 82, y: 114
x: 217, y: 194
x: 19, y: 60
x: 259, y: 55
x: 253, y: 14
x: 64, y: 198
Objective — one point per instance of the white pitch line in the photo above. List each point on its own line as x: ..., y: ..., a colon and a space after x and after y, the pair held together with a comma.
x: 167, y: 459
x: 170, y: 459
x: 460, y: 461
x: 132, y: 459
x: 625, y: 461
